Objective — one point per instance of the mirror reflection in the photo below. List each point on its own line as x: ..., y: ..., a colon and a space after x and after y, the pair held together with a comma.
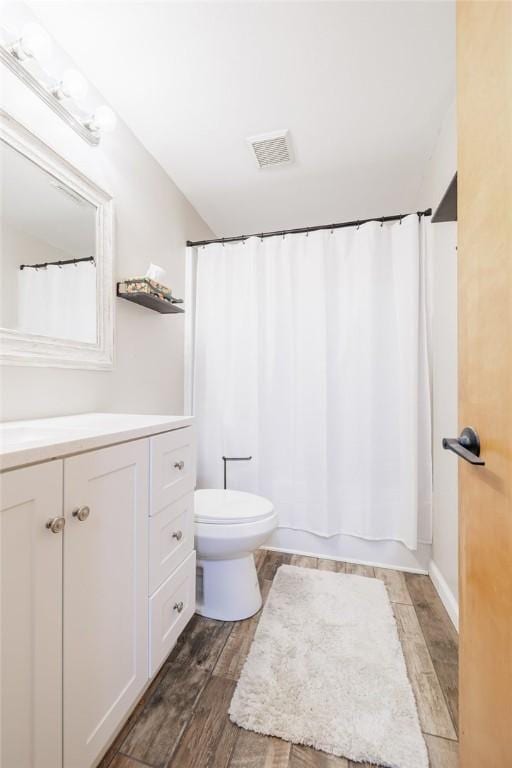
x: 48, y: 249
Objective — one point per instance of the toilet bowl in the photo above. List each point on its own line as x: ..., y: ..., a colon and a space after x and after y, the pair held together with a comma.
x: 229, y: 527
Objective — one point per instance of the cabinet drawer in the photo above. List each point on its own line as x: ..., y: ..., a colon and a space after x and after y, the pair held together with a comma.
x: 171, y: 539
x: 170, y: 609
x: 172, y: 467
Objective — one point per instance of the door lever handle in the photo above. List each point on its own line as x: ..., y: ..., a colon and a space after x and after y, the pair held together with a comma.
x: 467, y: 446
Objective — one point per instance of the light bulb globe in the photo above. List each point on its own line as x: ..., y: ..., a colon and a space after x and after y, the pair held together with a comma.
x: 104, y: 119
x: 73, y: 85
x: 35, y: 42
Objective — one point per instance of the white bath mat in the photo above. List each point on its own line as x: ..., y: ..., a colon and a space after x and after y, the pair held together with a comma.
x: 326, y: 669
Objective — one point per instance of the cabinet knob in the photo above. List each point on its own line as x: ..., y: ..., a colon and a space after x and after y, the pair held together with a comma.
x: 178, y: 535
x: 82, y: 513
x: 178, y: 606
x: 179, y: 465
x: 56, y: 524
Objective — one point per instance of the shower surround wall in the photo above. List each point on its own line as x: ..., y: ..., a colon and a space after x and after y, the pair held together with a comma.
x: 153, y: 220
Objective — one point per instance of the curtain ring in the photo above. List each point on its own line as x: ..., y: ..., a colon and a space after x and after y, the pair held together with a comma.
x: 284, y: 233
x: 358, y: 224
x: 382, y: 222
x: 307, y: 233
x: 261, y: 237
x: 223, y: 242
x: 332, y: 229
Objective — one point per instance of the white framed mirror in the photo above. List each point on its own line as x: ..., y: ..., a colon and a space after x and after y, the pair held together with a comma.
x: 56, y: 305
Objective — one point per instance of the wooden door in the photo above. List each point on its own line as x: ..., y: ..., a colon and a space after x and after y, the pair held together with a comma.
x: 31, y: 617
x: 105, y: 595
x: 484, y: 94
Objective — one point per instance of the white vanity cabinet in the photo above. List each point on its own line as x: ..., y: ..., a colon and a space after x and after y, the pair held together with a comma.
x: 94, y: 591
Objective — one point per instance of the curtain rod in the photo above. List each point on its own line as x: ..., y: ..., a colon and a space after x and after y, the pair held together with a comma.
x: 298, y: 231
x: 55, y: 263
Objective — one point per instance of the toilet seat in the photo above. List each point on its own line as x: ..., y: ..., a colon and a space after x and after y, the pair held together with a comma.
x: 222, y: 507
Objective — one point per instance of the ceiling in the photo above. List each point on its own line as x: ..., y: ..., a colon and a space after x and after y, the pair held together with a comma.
x: 362, y: 87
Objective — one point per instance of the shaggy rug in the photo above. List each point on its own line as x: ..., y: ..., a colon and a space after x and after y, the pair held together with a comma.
x: 326, y: 669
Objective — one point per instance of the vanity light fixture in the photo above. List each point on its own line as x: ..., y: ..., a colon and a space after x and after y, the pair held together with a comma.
x: 35, y: 43
x: 78, y: 199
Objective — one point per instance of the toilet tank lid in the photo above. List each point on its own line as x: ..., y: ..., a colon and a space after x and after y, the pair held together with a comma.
x: 213, y: 505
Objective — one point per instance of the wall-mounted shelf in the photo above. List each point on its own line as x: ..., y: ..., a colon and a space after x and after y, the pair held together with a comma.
x: 164, y: 306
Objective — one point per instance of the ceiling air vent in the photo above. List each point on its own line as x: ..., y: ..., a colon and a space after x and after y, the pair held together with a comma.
x: 271, y: 148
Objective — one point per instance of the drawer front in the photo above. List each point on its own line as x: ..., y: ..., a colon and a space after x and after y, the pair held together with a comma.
x: 171, y: 539
x: 173, y: 467
x: 170, y: 609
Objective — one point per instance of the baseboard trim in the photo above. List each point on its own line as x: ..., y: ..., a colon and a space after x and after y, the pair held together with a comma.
x: 446, y: 595
x: 347, y: 560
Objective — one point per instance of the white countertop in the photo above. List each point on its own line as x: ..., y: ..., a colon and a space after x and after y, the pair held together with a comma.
x: 30, y: 442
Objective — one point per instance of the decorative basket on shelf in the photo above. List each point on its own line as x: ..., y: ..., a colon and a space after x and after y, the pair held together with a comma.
x: 149, y: 293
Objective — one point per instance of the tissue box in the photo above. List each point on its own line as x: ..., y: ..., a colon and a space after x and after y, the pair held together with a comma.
x: 145, y: 285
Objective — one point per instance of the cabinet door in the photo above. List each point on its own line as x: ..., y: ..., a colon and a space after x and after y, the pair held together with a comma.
x: 31, y: 617
x: 105, y: 595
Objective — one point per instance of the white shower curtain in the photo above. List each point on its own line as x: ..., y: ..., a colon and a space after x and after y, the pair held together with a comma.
x: 59, y: 302
x: 311, y: 356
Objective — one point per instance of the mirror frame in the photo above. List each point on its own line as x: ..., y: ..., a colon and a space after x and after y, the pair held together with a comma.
x: 17, y: 348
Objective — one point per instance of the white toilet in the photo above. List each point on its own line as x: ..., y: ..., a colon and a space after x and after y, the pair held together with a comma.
x: 229, y: 527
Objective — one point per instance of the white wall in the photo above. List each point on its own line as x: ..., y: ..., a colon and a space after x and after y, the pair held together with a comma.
x: 444, y: 567
x: 152, y: 222
x: 443, y: 243
x: 16, y: 248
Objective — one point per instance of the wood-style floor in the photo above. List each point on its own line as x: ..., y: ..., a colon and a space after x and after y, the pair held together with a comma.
x: 182, y: 720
